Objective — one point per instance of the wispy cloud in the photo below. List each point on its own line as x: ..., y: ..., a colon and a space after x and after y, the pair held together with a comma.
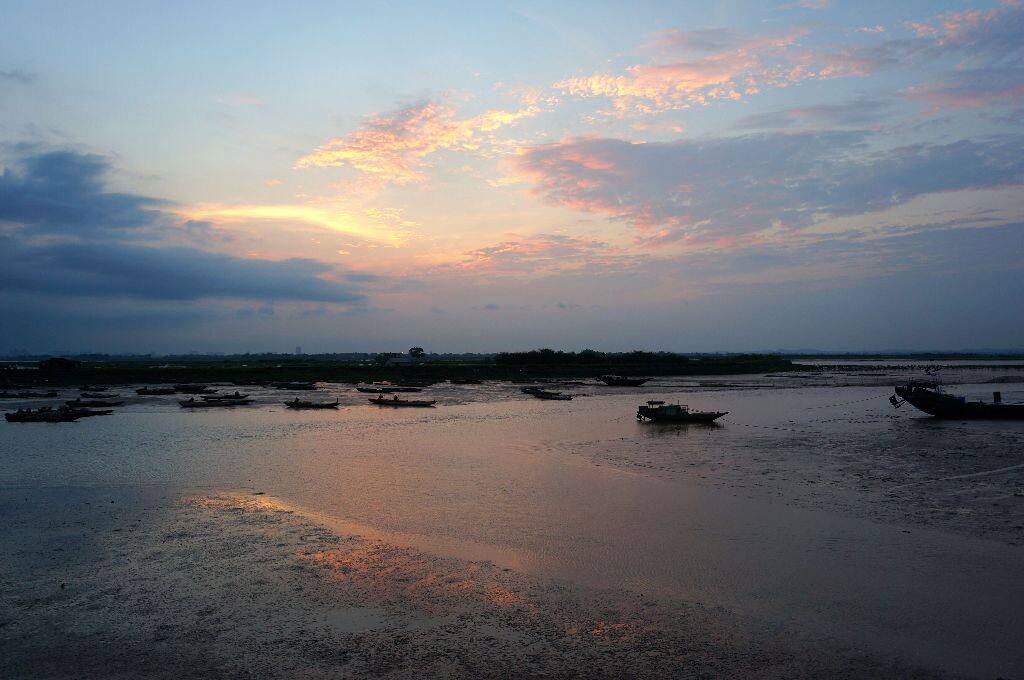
x: 720, y: 192
x: 857, y: 112
x: 393, y: 147
x: 17, y: 76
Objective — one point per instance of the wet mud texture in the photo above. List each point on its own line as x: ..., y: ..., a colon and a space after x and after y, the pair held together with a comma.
x: 154, y: 583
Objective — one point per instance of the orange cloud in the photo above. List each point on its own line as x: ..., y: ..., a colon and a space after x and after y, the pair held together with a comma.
x: 730, y: 68
x: 393, y: 146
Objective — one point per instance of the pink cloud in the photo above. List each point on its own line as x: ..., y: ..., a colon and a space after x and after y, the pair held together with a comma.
x: 393, y: 146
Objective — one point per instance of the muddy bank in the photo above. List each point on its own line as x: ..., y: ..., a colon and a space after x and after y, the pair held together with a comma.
x: 154, y: 583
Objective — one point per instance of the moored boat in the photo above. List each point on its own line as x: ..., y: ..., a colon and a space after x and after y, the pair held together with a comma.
x: 191, y: 402
x: 928, y: 396
x: 42, y: 415
x: 220, y: 397
x: 100, y: 403
x: 156, y: 390
x: 659, y: 412
x: 621, y: 381
x: 398, y: 403
x: 296, y: 403
x: 88, y: 412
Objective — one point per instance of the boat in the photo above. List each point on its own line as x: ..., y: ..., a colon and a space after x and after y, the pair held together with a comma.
x: 192, y: 403
x: 88, y: 412
x: 387, y: 389
x: 99, y: 395
x: 42, y: 415
x: 299, y: 404
x: 621, y: 381
x: 659, y: 412
x: 80, y: 403
x: 551, y: 396
x: 219, y: 397
x: 927, y: 396
x: 156, y: 390
x: 398, y: 403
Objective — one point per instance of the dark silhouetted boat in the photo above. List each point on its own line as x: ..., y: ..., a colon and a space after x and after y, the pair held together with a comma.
x: 927, y: 396
x: 27, y: 395
x: 299, y: 404
x: 297, y: 386
x: 660, y: 412
x: 220, y: 397
x: 387, y: 389
x: 88, y: 412
x: 99, y: 395
x: 621, y: 381
x: 99, y: 403
x: 42, y: 415
x: 191, y: 402
x: 399, y: 403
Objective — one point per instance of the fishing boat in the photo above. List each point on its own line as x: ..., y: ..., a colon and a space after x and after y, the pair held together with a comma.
x: 88, y: 412
x: 156, y: 390
x: 296, y: 403
x: 927, y: 396
x: 41, y: 415
x: 399, y: 403
x: 387, y: 389
x: 191, y: 402
x: 621, y: 381
x: 219, y: 397
x: 660, y: 412
x: 85, y: 403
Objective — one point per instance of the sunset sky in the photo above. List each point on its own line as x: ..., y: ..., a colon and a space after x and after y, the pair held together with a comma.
x: 699, y: 176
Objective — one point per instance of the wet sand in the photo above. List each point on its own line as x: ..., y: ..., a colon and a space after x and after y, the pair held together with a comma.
x: 156, y: 582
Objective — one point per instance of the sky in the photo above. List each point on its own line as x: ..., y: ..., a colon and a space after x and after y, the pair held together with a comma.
x: 480, y: 177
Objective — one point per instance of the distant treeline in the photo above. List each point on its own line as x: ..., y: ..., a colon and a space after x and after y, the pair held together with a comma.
x: 590, y: 357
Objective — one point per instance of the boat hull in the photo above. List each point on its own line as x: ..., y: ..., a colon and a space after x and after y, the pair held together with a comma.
x: 948, y: 406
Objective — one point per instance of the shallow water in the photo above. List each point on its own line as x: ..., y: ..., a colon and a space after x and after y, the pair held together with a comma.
x: 781, y: 513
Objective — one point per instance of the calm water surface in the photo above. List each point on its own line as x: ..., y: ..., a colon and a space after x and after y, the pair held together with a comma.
x: 537, y: 486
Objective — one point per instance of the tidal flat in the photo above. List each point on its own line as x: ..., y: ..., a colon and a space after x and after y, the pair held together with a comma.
x: 816, y: 532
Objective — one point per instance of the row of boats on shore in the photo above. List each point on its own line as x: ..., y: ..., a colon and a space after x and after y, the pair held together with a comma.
x: 924, y: 395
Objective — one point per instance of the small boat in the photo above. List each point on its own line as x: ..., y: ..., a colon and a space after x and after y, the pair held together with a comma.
x: 928, y: 396
x: 88, y: 412
x: 532, y: 389
x: 298, y: 404
x: 387, y: 389
x: 192, y: 403
x: 218, y: 397
x: 42, y: 415
x: 99, y: 395
x: 660, y: 412
x: 398, y: 403
x: 156, y: 390
x: 551, y: 396
x: 621, y: 381
x: 80, y: 403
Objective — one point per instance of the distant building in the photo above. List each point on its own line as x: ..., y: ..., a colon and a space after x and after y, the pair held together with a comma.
x: 59, y: 364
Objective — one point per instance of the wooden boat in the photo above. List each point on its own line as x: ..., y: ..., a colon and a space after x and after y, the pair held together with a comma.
x: 387, y: 389
x: 298, y: 404
x: 927, y: 396
x: 88, y: 412
x: 660, y: 412
x: 191, y: 402
x: 156, y: 390
x: 398, y: 403
x: 42, y: 415
x: 99, y: 395
x: 551, y: 396
x: 79, y: 403
x: 217, y: 397
x: 621, y: 381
